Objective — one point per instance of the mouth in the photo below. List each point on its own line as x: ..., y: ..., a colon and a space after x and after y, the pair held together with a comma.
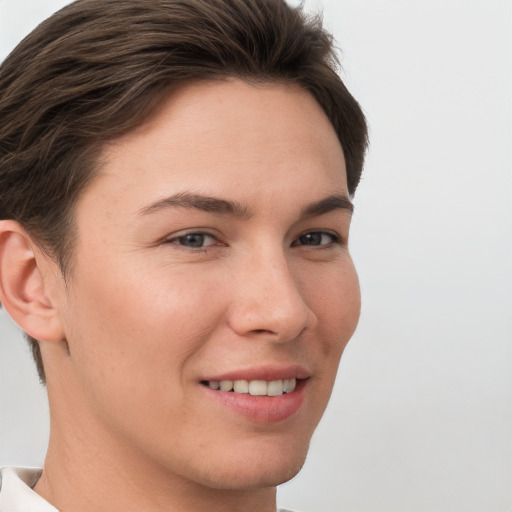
x: 254, y: 387
x: 263, y: 396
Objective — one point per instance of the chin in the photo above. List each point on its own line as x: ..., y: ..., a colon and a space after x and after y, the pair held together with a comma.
x: 266, y: 468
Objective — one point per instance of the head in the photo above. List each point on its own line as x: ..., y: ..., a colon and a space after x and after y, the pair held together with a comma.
x: 220, y: 109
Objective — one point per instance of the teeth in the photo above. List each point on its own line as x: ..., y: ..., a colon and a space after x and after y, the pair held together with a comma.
x: 275, y: 388
x: 289, y: 385
x: 255, y: 387
x: 258, y: 387
x: 241, y: 386
x: 226, y: 385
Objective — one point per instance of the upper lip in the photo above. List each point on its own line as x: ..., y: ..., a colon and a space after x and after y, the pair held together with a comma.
x: 264, y: 372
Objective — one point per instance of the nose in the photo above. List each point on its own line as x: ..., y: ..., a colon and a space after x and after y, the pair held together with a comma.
x: 268, y: 301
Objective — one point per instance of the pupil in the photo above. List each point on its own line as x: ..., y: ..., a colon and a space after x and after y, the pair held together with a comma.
x: 194, y: 240
x: 311, y: 239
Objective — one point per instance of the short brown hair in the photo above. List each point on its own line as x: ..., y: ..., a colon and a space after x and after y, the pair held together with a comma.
x: 98, y: 68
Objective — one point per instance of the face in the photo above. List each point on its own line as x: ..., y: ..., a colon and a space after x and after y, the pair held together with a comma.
x: 212, y: 252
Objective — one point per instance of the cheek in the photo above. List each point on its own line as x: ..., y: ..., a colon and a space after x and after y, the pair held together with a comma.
x: 336, y: 302
x: 133, y: 340
x: 140, y: 323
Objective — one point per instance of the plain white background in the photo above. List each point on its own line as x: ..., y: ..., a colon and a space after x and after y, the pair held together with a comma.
x: 421, y: 415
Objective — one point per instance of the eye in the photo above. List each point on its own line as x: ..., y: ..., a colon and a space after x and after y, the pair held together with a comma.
x: 316, y: 238
x: 194, y: 240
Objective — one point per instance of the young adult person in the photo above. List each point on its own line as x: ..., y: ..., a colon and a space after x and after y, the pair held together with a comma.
x: 175, y: 184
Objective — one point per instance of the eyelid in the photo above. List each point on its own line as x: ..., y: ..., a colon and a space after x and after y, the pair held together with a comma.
x: 336, y: 238
x: 174, y: 238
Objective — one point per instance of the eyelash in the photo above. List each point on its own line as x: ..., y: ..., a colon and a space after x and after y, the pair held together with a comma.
x: 177, y: 240
x: 334, y: 239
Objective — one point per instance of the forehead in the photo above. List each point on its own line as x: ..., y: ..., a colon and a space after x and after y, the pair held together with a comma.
x: 229, y: 138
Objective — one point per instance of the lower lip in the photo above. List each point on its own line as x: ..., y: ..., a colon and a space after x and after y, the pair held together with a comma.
x: 261, y: 409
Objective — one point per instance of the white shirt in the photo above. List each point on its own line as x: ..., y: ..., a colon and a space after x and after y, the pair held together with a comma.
x: 16, y: 494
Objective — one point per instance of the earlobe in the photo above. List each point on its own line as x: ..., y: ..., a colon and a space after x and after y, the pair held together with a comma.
x: 24, y: 285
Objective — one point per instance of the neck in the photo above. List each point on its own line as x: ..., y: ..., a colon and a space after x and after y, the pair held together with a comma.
x: 85, y: 479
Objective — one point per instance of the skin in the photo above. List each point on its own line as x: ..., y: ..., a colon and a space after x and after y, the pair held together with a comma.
x: 147, y: 313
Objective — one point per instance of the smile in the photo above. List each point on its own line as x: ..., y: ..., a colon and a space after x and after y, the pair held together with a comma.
x: 254, y: 387
x: 261, y: 401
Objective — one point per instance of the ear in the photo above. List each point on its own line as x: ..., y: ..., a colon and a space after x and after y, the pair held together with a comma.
x: 27, y: 283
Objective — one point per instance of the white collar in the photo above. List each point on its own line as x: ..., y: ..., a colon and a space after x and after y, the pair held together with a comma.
x: 16, y: 494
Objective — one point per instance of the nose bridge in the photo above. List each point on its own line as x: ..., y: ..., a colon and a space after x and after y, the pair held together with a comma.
x: 269, y: 298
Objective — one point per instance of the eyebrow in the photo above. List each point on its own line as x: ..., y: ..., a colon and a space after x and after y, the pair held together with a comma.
x: 233, y: 208
x: 198, y: 202
x: 326, y: 205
